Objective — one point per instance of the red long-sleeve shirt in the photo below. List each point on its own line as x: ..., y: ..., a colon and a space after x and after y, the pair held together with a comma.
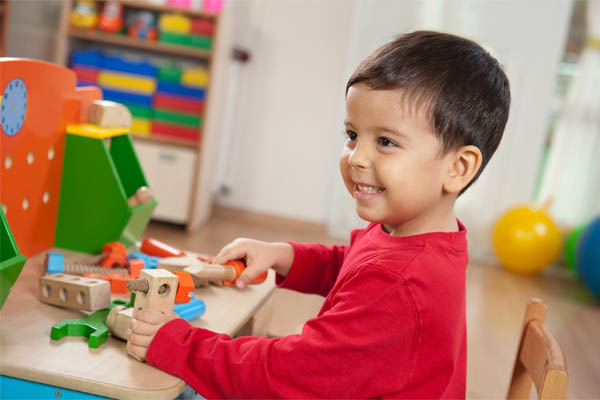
x: 392, y: 325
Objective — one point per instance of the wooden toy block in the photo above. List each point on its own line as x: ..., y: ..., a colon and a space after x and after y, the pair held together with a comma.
x: 108, y: 114
x: 74, y: 291
x: 118, y: 321
x: 155, y: 289
x: 142, y: 196
x: 184, y: 287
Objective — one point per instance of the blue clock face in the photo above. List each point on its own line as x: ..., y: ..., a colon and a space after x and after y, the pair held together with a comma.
x: 14, y: 106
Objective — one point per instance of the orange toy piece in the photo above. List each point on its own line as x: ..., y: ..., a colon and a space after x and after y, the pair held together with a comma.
x: 118, y: 282
x: 112, y: 260
x: 115, y: 255
x: 115, y: 247
x: 239, y: 267
x: 154, y: 247
x: 185, y: 286
x: 135, y: 266
x: 41, y: 100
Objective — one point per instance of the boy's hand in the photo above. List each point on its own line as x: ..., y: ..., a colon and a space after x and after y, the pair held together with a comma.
x: 259, y: 256
x: 143, y: 328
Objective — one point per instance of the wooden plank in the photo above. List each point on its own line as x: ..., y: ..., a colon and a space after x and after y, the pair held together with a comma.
x: 154, y: 46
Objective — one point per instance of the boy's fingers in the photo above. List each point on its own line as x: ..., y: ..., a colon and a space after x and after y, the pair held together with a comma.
x: 232, y: 251
x: 140, y: 340
x: 142, y: 328
x: 137, y: 351
x: 153, y: 317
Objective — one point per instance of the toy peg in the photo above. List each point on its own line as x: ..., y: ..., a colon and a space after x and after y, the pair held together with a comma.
x: 108, y: 114
x: 142, y: 196
x: 154, y: 247
x: 74, y: 291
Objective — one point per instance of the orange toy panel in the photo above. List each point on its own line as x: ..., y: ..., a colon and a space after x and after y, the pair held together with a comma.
x: 38, y: 100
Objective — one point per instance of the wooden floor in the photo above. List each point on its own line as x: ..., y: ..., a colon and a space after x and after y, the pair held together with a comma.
x: 496, y: 302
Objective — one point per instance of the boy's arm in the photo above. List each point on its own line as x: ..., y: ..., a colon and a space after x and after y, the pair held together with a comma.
x: 341, y: 353
x: 315, y: 268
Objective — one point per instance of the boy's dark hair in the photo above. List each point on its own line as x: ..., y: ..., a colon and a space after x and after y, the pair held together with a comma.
x: 462, y: 86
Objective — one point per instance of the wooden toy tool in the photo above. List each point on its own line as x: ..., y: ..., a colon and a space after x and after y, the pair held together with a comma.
x: 156, y: 290
x: 227, y: 273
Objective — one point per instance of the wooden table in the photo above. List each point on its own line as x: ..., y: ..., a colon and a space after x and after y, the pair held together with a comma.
x: 27, y: 352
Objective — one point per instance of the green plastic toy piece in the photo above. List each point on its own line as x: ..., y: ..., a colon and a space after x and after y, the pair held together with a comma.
x: 172, y: 117
x: 96, y: 183
x: 92, y: 326
x: 11, y: 261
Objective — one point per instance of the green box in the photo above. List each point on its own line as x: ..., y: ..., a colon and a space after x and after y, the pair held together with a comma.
x: 180, y: 118
x: 170, y: 73
x: 196, y: 41
x: 96, y: 184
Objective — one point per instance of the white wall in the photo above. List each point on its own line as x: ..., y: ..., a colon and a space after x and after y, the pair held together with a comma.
x: 529, y: 39
x: 282, y: 156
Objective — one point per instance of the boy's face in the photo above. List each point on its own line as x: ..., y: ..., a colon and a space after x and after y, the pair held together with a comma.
x: 391, y: 162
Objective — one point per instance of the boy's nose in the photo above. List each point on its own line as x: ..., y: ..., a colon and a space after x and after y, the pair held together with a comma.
x: 359, y: 157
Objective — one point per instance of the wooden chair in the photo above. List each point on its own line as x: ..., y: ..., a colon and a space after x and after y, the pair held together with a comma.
x: 540, y: 359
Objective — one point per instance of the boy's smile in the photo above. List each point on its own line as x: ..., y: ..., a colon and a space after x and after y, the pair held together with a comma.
x: 392, y: 163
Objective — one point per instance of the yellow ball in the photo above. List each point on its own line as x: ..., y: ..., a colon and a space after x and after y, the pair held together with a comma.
x: 526, y: 240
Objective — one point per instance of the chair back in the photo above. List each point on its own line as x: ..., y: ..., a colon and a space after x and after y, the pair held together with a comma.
x: 540, y: 359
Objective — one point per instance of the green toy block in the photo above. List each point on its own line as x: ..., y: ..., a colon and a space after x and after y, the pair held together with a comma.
x: 139, y: 111
x: 11, y: 261
x: 197, y: 41
x: 92, y: 326
x: 170, y: 73
x: 96, y: 184
x: 177, y: 118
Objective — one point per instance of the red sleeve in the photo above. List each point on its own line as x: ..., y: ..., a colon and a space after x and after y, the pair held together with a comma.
x: 362, y: 347
x: 315, y: 268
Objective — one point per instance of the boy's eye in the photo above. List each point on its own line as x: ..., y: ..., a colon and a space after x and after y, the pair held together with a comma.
x: 382, y: 141
x: 351, y: 136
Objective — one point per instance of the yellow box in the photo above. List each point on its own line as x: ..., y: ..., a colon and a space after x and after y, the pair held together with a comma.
x: 195, y: 77
x: 141, y: 127
x: 129, y: 82
x: 174, y: 23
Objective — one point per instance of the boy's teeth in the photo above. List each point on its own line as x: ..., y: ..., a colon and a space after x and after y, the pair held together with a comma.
x: 369, y: 189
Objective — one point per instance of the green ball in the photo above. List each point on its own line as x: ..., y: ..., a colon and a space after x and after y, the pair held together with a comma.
x: 571, y: 247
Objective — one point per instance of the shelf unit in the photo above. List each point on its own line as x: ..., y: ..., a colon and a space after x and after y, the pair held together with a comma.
x: 4, y: 9
x: 186, y: 198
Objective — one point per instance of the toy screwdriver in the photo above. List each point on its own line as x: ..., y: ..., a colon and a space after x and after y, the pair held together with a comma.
x: 227, y: 273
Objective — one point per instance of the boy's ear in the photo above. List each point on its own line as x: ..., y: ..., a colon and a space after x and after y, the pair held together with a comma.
x: 464, y: 164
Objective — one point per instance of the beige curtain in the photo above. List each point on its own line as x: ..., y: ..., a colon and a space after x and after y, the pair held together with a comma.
x: 572, y: 176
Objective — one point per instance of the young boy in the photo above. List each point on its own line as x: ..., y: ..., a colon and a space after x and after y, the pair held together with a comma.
x: 424, y: 114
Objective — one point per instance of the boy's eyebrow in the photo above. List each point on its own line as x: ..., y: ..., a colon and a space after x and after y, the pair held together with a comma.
x: 392, y: 131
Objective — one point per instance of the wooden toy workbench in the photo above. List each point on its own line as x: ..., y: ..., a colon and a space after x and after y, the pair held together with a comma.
x: 27, y: 352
